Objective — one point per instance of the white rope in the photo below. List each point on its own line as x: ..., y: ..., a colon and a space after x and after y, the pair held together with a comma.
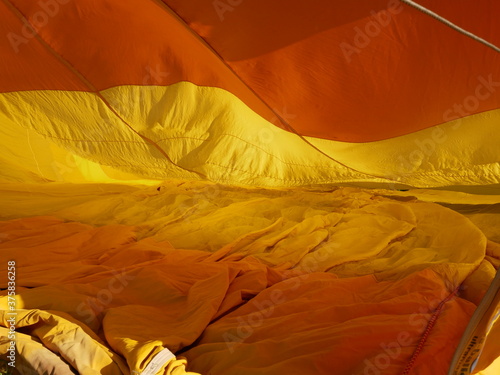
x: 450, y: 24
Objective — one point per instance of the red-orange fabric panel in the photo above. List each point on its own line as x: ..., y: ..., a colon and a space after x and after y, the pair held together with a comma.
x: 403, y: 75
x: 476, y: 17
x: 29, y: 66
x: 108, y: 43
x: 351, y: 71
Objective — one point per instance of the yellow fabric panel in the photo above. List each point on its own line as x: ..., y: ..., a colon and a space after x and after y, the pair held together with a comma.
x: 24, y: 200
x: 29, y: 156
x: 492, y: 369
x: 289, y: 228
x: 297, y: 228
x: 188, y: 131
x: 66, y: 337
x: 478, y: 282
x: 460, y: 152
x: 53, y: 345
x: 493, y: 254
x: 488, y: 222
x: 481, y: 209
x: 481, y: 197
x: 435, y: 241
x: 32, y: 356
x: 82, y: 124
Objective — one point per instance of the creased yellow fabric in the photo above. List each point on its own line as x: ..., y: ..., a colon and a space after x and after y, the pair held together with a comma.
x: 195, y: 132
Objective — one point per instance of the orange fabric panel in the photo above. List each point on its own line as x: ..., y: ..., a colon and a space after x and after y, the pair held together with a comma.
x: 25, y: 63
x: 349, y: 71
x: 109, y: 44
x: 473, y: 16
x: 311, y: 61
x: 231, y: 316
x: 319, y: 324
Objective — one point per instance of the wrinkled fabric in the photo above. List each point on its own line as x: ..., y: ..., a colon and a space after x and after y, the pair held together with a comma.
x: 269, y: 281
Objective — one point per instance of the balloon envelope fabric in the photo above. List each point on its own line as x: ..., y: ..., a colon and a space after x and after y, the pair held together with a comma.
x: 249, y: 187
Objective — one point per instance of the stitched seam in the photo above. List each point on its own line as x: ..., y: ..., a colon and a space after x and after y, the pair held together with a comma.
x: 430, y: 325
x: 413, y: 174
x: 423, y: 174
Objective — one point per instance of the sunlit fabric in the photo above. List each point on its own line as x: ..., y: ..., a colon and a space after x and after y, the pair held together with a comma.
x: 249, y: 187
